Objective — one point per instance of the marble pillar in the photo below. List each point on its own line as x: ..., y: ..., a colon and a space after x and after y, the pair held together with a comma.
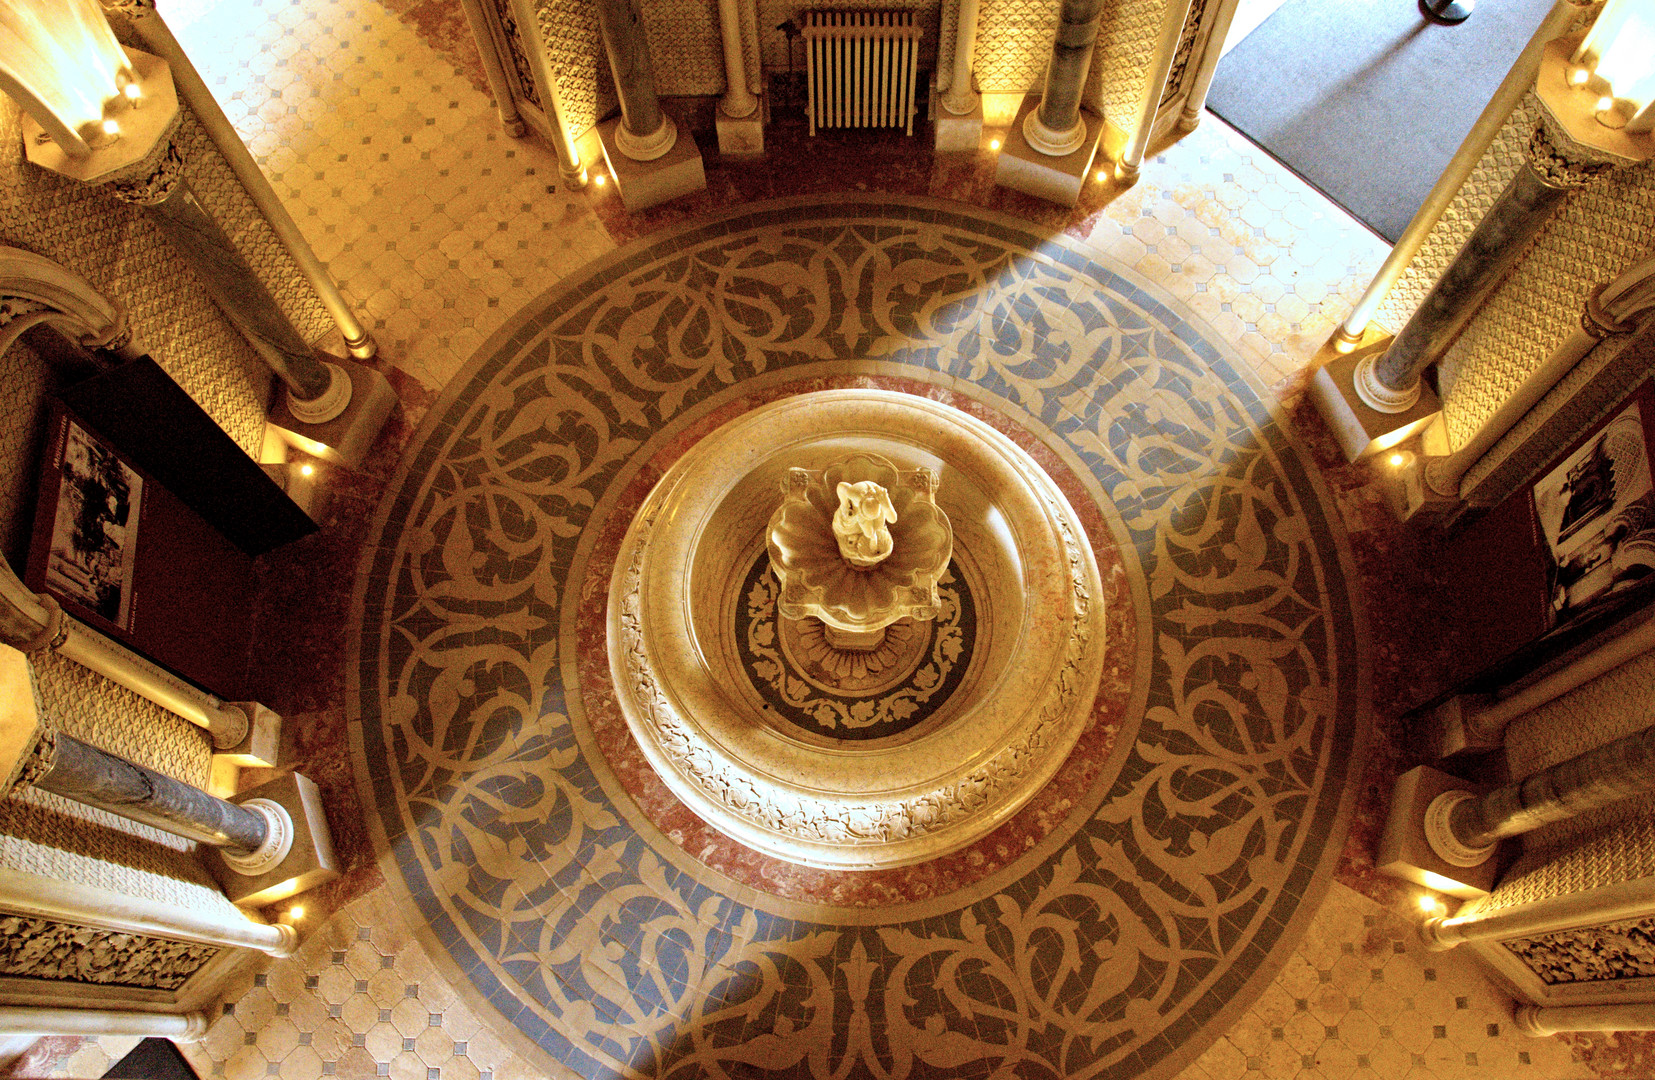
x: 1604, y: 775
x: 650, y: 163
x: 1389, y: 382
x: 959, y: 111
x: 1056, y: 128
x: 1443, y: 832
x: 1051, y: 147
x: 76, y: 770
x: 266, y: 845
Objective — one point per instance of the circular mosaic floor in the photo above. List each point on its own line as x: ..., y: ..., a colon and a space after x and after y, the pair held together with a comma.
x: 1112, y: 928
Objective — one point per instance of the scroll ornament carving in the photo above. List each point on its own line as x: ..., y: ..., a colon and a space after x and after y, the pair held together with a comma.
x: 38, y: 949
x: 1562, y: 163
x: 1592, y: 954
x: 817, y: 820
x: 155, y: 178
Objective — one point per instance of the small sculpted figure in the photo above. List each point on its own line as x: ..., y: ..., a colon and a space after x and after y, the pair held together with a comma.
x: 861, y: 523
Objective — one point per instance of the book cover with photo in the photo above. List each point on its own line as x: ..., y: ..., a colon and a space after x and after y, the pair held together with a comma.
x: 93, y: 546
x: 125, y: 557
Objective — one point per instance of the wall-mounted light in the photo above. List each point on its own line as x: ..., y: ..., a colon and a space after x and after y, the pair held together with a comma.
x: 93, y: 107
x: 1598, y: 86
x: 1616, y: 59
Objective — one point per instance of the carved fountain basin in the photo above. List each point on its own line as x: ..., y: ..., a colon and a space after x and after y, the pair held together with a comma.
x: 870, y: 760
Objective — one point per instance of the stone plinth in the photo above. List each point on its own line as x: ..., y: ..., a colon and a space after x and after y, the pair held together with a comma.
x: 643, y: 184
x: 1360, y: 429
x: 1055, y: 179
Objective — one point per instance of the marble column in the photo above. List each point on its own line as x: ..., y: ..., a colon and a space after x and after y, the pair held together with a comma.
x: 341, y: 406
x: 569, y: 163
x: 1155, y: 82
x: 650, y: 163
x: 1443, y: 831
x: 271, y: 843
x: 1540, y: 1021
x: 1597, y: 778
x: 1056, y: 128
x: 1389, y: 382
x: 66, y: 766
x: 1510, y: 93
x: 157, y: 37
x: 645, y: 132
x: 494, y: 68
x: 740, y: 122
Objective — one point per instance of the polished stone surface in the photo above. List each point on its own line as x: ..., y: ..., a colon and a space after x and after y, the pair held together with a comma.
x: 1191, y: 855
x: 991, y: 744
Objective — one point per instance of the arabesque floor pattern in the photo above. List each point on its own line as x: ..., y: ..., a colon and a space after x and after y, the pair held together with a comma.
x: 1160, y: 901
x: 442, y: 230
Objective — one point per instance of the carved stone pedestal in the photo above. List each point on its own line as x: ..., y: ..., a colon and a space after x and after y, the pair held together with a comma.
x: 643, y: 184
x: 1055, y: 179
x: 348, y: 437
x: 741, y: 136
x: 1362, y: 430
x: 961, y: 134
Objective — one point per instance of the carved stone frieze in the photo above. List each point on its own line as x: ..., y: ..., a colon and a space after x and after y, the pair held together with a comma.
x: 1592, y: 954
x: 39, y: 949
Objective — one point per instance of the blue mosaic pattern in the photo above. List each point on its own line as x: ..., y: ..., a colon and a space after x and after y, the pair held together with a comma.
x: 1107, y: 958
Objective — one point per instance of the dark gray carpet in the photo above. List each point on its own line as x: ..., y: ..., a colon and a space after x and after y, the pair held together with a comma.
x: 1365, y: 99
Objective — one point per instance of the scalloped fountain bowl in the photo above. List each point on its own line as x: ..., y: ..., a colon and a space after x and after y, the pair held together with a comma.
x: 883, y: 755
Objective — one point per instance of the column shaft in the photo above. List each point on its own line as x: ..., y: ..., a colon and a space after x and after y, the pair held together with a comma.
x: 1077, y: 36
x: 86, y: 774
x: 1594, y: 779
x: 623, y: 39
x: 1495, y: 244
x: 239, y: 294
x: 739, y: 101
x: 960, y: 99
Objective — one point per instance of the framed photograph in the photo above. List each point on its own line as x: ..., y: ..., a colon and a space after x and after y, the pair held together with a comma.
x: 1596, y: 511
x: 94, y: 541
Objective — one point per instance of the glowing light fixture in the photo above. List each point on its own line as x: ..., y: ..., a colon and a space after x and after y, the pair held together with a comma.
x: 81, y: 90
x: 64, y: 66
x: 994, y: 144
x: 1618, y: 56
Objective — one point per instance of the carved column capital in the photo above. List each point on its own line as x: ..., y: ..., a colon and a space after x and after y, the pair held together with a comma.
x: 40, y: 759
x: 153, y: 178
x: 1562, y: 162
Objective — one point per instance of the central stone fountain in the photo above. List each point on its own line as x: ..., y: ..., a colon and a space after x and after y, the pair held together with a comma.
x: 855, y: 628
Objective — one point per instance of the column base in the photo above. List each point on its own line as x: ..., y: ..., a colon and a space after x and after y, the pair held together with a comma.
x: 643, y: 184
x: 1422, y: 502
x: 1404, y: 851
x: 1055, y: 179
x: 348, y: 437
x: 740, y: 136
x: 259, y: 747
x: 1362, y: 430
x: 309, y: 862
x: 957, y: 133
